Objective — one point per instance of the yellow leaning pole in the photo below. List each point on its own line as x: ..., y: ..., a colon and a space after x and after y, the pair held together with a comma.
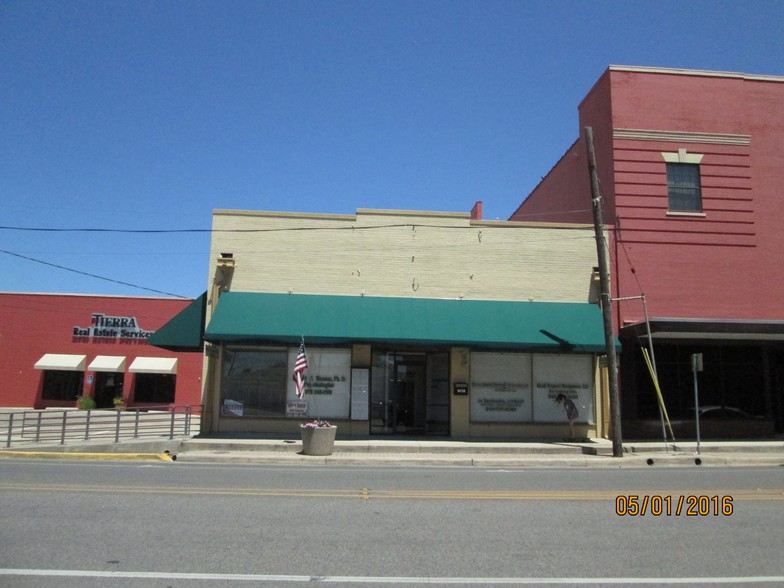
x: 658, y: 390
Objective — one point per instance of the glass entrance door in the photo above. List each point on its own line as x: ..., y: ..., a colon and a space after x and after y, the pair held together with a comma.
x: 409, y: 393
x: 438, y: 394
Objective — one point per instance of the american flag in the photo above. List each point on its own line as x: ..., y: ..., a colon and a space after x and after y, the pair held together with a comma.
x: 300, y: 365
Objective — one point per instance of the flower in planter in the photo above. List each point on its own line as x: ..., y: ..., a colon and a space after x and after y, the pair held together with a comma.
x: 119, y: 401
x: 85, y: 403
x: 317, y: 424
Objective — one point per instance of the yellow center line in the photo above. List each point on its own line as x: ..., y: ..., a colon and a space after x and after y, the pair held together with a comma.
x: 370, y: 494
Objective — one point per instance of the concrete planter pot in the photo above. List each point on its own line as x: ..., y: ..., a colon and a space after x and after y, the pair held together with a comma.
x: 318, y: 440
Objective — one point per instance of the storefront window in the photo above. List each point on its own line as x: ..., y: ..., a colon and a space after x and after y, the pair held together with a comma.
x: 155, y: 388
x: 254, y: 382
x: 327, y: 391
x: 500, y: 387
x: 523, y: 387
x: 567, y: 376
x: 62, y: 384
x: 257, y: 382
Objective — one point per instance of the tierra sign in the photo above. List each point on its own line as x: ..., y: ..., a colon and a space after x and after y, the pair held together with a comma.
x: 105, y: 326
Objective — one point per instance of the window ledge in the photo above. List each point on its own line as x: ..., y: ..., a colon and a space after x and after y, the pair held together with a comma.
x: 692, y: 214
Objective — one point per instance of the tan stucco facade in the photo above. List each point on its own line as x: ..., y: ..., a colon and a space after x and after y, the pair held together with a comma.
x: 405, y: 254
x: 401, y: 254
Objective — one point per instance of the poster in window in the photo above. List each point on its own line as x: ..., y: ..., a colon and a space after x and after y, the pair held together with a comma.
x: 500, y: 387
x: 570, y: 375
x: 327, y: 382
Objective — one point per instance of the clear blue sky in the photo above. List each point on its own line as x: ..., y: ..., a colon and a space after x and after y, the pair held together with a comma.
x: 148, y: 114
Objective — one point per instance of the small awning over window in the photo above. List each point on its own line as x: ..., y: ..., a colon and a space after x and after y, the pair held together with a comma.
x: 62, y: 361
x: 243, y: 317
x: 107, y: 363
x: 154, y: 365
x: 185, y: 331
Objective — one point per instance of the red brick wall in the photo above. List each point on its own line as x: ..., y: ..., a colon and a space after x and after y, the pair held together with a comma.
x: 564, y: 194
x: 726, y: 264
x: 32, y: 325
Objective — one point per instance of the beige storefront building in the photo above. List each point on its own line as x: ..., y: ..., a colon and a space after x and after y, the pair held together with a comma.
x: 415, y: 323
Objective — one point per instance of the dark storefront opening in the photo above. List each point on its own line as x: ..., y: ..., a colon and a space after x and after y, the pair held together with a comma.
x: 107, y: 386
x: 410, y: 393
x: 740, y: 389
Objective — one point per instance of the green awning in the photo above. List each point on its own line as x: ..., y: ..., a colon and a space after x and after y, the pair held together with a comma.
x: 184, y: 332
x: 243, y: 317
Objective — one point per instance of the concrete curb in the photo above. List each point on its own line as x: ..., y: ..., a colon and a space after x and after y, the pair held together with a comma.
x: 172, y: 446
x: 482, y: 460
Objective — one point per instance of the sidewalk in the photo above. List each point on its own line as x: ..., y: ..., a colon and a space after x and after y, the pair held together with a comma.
x: 426, y: 452
x: 585, y: 453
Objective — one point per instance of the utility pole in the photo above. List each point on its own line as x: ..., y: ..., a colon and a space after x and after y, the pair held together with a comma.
x: 606, y: 301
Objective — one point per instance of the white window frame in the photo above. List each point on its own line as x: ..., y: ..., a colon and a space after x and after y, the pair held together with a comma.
x: 683, y: 157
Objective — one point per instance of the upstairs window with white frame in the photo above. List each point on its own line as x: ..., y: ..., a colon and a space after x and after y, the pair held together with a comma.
x: 684, y: 191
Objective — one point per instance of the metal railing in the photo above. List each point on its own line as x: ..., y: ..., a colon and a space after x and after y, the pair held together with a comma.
x: 71, y: 425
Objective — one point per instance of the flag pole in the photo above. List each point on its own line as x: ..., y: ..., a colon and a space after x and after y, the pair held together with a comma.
x: 300, y: 365
x: 312, y: 396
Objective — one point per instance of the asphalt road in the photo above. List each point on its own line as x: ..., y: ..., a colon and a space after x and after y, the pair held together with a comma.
x: 170, y: 524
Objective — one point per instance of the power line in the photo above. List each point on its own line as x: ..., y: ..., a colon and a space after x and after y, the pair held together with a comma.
x: 267, y: 230
x: 68, y: 269
x: 103, y: 230
x: 352, y: 227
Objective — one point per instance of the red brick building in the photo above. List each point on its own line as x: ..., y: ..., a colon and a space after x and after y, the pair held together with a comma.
x: 691, y: 168
x: 54, y: 347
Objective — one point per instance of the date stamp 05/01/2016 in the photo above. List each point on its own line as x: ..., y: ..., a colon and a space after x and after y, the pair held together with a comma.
x: 657, y: 505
